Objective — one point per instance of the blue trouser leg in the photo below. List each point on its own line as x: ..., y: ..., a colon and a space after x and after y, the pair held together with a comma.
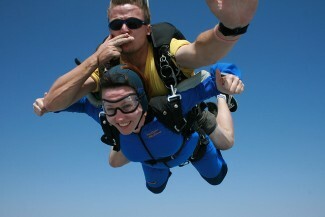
x: 212, y: 166
x: 156, y: 178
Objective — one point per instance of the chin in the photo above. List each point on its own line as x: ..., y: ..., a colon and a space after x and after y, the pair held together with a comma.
x: 124, y: 131
x: 127, y: 48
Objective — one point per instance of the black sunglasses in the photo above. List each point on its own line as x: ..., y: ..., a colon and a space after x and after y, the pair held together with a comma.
x: 131, y: 23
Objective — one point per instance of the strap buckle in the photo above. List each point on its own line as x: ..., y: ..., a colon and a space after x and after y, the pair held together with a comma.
x: 174, y: 96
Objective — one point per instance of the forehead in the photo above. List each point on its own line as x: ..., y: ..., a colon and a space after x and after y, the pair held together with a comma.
x: 125, y: 11
x: 117, y: 92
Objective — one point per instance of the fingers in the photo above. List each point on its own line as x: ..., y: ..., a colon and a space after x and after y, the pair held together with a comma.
x: 219, y: 80
x: 118, y: 40
x: 111, y: 48
x: 38, y: 107
x: 232, y: 84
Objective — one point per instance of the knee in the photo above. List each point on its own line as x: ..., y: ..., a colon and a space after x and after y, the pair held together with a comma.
x: 220, y: 177
x: 157, y: 190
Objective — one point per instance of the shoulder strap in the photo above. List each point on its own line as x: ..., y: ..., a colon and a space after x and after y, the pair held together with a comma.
x: 111, y: 134
x: 161, y: 36
x: 168, y: 111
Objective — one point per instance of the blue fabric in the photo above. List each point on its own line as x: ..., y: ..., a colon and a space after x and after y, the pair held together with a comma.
x: 226, y: 68
x: 162, y: 142
x: 84, y: 106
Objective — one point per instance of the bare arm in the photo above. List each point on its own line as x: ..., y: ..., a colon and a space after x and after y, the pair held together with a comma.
x: 223, y: 135
x: 117, y: 159
x: 211, y: 45
x: 71, y: 86
x: 76, y: 83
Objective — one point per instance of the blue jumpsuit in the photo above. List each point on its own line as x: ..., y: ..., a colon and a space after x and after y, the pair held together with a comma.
x: 157, y: 141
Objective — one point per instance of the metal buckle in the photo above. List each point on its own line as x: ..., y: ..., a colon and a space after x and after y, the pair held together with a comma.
x: 182, y: 127
x: 174, y: 95
x: 167, y: 71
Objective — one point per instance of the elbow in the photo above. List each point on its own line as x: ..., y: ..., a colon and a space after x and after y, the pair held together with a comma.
x: 228, y: 144
x: 115, y: 163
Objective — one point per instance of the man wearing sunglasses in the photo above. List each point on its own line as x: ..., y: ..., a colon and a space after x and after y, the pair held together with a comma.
x: 129, y: 26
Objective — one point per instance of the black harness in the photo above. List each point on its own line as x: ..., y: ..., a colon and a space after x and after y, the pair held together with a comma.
x: 168, y: 110
x: 159, y: 107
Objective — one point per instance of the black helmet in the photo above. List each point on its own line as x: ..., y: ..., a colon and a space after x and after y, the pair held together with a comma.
x: 121, y: 75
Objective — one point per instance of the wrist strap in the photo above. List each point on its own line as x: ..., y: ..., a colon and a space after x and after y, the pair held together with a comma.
x: 223, y: 96
x: 232, y: 32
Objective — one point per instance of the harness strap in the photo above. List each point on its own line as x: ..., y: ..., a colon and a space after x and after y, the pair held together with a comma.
x: 111, y: 134
x: 166, y: 159
x: 175, y: 106
x: 167, y: 69
x: 190, y: 126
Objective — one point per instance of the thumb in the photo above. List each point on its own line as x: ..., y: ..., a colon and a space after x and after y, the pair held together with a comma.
x: 219, y: 80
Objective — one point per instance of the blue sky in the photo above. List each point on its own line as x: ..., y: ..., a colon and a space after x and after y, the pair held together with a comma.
x: 56, y: 165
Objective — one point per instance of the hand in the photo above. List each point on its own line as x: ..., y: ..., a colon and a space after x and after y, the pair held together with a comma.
x: 111, y: 48
x: 229, y: 84
x: 38, y: 106
x: 233, y: 13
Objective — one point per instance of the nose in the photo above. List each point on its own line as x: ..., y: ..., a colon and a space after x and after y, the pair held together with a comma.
x: 124, y: 28
x: 119, y: 115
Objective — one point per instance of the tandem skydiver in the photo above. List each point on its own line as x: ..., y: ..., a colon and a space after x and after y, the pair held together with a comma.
x: 157, y: 159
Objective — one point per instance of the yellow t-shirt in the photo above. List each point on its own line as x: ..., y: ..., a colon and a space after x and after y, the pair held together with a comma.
x: 157, y: 86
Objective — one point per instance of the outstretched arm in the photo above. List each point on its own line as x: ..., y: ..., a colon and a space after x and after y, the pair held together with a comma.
x: 71, y: 86
x: 210, y: 46
x: 76, y: 83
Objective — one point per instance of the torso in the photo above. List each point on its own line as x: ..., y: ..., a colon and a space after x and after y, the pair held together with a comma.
x: 160, y: 141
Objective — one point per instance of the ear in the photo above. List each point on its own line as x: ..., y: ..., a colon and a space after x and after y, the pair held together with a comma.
x: 148, y: 29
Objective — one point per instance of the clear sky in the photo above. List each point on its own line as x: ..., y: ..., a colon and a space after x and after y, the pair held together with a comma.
x: 56, y: 166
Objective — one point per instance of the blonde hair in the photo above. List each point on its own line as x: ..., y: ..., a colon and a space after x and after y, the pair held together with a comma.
x: 142, y: 4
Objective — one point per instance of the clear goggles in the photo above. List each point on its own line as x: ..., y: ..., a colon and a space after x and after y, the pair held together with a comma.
x: 127, y: 104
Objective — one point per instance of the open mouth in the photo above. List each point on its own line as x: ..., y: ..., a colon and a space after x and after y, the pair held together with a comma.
x: 124, y: 124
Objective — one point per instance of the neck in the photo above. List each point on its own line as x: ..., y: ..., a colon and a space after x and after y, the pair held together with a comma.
x: 138, y: 58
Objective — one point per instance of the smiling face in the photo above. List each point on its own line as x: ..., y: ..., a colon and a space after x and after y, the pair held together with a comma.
x: 123, y: 109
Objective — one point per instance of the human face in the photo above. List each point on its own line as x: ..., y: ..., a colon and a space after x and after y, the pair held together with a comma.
x: 124, y: 12
x: 123, y: 108
x: 131, y: 23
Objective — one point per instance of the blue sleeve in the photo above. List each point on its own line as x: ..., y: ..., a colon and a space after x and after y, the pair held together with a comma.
x: 228, y: 68
x: 207, y: 88
x: 84, y: 106
x: 203, y: 91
